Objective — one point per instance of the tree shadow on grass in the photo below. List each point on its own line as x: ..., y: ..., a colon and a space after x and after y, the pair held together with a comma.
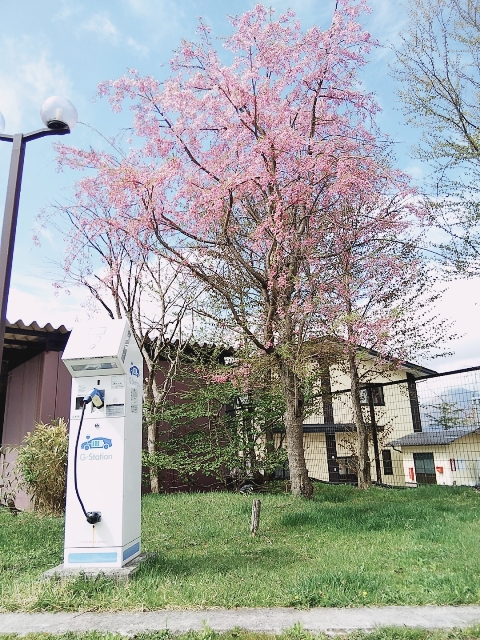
x: 159, y: 565
x: 358, y: 518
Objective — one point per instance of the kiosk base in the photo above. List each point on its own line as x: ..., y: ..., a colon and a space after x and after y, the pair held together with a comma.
x: 115, y: 573
x: 100, y: 557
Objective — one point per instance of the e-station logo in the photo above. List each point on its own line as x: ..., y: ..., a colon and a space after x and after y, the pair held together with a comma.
x: 134, y: 375
x: 96, y: 443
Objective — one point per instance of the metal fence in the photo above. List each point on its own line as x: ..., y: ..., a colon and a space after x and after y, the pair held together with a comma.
x: 422, y: 430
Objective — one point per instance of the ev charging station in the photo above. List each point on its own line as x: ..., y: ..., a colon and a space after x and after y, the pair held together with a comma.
x: 102, y: 524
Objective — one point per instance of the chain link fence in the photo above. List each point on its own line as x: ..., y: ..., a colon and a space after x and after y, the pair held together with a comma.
x: 422, y: 429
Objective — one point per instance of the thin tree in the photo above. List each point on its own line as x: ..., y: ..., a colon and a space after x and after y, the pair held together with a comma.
x: 381, y: 292
x: 438, y: 67
x: 447, y: 415
x: 127, y: 280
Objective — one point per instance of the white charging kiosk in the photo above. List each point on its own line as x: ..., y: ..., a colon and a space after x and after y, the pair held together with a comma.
x: 106, y: 476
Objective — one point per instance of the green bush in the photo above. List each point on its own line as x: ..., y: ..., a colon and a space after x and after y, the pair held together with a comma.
x: 219, y: 430
x: 42, y: 462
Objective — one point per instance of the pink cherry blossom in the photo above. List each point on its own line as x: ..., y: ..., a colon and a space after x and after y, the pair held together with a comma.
x: 267, y: 179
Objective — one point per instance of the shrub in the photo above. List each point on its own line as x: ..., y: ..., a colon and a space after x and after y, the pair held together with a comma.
x: 42, y: 462
x: 220, y: 430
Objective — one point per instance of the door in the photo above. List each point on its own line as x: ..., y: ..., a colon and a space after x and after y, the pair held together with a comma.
x: 333, y: 475
x: 425, y: 468
x: 338, y: 468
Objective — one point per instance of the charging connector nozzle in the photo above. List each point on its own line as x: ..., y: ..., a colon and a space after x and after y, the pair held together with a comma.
x: 96, y: 397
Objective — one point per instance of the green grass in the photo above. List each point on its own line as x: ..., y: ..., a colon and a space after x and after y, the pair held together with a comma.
x: 295, y: 633
x: 343, y: 548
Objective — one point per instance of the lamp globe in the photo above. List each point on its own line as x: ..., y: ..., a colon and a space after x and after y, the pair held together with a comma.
x: 58, y: 112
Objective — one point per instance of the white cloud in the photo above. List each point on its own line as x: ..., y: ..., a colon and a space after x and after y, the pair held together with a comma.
x: 66, y: 10
x: 35, y: 299
x: 461, y: 303
x: 47, y: 235
x: 136, y: 46
x: 43, y: 76
x: 103, y: 26
x: 166, y: 20
x: 415, y: 171
x: 386, y: 21
x: 28, y: 76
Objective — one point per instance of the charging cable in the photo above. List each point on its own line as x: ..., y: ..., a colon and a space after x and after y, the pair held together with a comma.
x: 96, y: 398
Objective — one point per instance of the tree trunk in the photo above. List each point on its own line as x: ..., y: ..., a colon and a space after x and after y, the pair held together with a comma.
x: 269, y: 449
x: 250, y: 453
x: 269, y: 437
x: 269, y: 440
x: 152, y: 434
x: 294, y: 400
x: 364, y: 476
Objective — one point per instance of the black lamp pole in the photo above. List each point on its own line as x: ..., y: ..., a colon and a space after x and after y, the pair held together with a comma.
x: 11, y: 213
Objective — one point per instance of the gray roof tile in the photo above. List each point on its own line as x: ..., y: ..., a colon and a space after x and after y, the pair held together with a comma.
x: 444, y: 437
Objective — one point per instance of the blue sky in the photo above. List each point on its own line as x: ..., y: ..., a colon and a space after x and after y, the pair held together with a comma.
x: 67, y: 47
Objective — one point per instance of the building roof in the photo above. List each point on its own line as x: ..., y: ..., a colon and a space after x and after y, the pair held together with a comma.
x: 20, y: 328
x: 417, y: 369
x: 23, y: 342
x: 444, y: 437
x: 410, y: 367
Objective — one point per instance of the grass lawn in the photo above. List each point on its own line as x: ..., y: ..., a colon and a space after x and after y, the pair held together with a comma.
x: 342, y: 548
x: 295, y: 633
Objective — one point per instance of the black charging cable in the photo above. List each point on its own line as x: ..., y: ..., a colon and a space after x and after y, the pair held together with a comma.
x: 92, y: 516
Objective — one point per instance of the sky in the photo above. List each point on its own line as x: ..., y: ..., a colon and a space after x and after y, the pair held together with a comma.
x: 66, y: 47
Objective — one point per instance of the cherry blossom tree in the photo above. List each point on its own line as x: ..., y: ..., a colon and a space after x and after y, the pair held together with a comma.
x: 244, y: 162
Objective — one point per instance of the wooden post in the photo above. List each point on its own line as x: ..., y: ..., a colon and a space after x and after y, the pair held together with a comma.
x: 255, y: 517
x: 373, y: 424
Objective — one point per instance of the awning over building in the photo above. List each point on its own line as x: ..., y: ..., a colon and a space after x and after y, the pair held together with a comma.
x: 444, y: 437
x: 348, y: 427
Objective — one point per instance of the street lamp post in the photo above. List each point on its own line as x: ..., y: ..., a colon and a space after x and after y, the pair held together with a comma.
x: 60, y: 117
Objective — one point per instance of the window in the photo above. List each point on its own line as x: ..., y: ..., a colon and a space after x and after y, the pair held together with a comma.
x: 387, y: 462
x: 345, y: 466
x: 377, y: 393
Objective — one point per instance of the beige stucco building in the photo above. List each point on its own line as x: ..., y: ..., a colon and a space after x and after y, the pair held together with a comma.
x: 448, y: 457
x: 329, y: 433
